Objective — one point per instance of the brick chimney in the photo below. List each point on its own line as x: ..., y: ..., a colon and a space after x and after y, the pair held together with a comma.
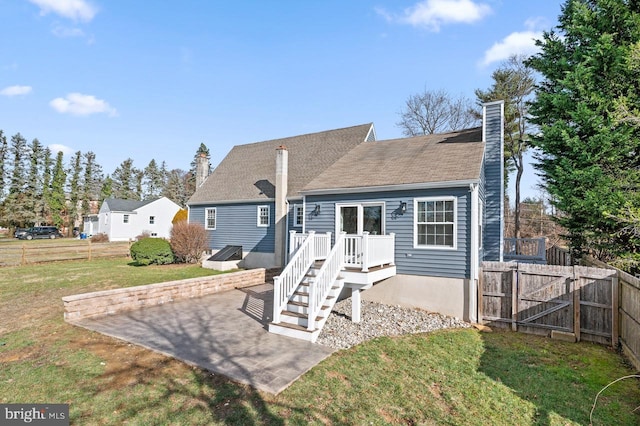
x: 202, y: 169
x: 282, y: 177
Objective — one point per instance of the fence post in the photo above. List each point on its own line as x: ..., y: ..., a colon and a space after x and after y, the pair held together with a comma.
x: 480, y: 290
x: 23, y: 261
x: 393, y: 244
x: 514, y: 299
x: 89, y: 250
x: 576, y: 304
x: 615, y: 301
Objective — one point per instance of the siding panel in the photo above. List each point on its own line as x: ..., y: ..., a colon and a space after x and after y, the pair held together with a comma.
x: 236, y: 224
x: 409, y: 260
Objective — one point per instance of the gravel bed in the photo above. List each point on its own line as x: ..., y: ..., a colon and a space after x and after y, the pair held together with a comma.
x: 377, y: 320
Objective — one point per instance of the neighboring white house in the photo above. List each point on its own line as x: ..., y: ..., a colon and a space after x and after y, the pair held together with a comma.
x: 124, y: 220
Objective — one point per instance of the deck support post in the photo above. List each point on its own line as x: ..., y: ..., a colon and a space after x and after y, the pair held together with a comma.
x: 355, y: 305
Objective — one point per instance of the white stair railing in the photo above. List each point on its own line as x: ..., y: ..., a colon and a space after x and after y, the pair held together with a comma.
x: 285, y: 284
x: 321, y: 285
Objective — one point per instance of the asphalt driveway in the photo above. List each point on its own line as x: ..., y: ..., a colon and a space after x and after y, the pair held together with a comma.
x: 224, y: 333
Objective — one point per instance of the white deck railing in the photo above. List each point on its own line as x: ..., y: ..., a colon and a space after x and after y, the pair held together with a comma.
x: 285, y: 284
x: 321, y: 285
x: 366, y: 251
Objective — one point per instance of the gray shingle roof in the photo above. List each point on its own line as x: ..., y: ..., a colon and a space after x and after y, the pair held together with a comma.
x: 248, y: 171
x: 120, y: 205
x: 443, y: 157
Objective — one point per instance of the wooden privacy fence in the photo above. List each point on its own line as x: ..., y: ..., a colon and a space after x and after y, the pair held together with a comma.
x: 628, y: 311
x: 12, y: 254
x: 545, y: 299
x: 558, y: 256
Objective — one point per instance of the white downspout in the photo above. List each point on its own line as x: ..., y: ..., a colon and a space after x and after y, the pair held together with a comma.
x: 474, y: 255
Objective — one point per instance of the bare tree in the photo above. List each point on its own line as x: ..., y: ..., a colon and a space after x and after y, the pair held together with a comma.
x: 435, y: 111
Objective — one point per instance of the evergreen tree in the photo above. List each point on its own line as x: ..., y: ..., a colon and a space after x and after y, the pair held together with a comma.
x: 4, y: 153
x: 513, y: 83
x: 57, y: 201
x: 91, y: 182
x: 153, y: 180
x: 176, y: 187
x: 75, y: 208
x: 33, y: 188
x: 16, y: 205
x: 124, y: 181
x: 106, y: 190
x: 589, y: 162
x: 45, y: 210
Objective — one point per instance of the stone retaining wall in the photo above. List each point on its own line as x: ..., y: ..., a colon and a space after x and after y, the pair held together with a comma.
x: 80, y: 306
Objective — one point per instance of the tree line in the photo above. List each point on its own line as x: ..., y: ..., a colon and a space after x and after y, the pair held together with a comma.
x: 38, y: 187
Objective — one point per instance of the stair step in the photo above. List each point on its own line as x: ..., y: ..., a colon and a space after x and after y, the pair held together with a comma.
x: 295, y: 327
x: 299, y: 315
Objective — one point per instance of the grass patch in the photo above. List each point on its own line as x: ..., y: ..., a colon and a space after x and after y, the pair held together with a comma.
x: 460, y: 377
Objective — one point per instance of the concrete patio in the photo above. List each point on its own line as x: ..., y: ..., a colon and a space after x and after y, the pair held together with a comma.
x: 224, y: 333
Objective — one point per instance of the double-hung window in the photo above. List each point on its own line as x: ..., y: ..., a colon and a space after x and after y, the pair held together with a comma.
x: 125, y: 218
x: 298, y: 215
x: 263, y: 215
x: 210, y: 218
x: 435, y: 223
x: 152, y: 220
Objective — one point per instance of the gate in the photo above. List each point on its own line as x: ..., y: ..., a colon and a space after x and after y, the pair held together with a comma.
x: 541, y: 299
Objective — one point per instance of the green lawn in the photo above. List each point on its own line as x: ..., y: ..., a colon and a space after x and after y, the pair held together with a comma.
x: 460, y: 377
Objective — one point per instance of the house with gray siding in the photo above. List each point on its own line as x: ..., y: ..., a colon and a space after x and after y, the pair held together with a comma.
x: 404, y: 221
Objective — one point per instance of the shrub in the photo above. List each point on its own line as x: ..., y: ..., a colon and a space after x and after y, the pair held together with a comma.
x: 152, y: 250
x: 145, y: 234
x: 188, y: 241
x: 181, y: 215
x: 100, y: 238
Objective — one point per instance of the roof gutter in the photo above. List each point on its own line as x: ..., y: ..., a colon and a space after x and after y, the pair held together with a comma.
x: 400, y: 187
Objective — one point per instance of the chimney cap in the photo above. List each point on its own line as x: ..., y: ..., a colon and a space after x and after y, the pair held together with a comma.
x: 282, y: 147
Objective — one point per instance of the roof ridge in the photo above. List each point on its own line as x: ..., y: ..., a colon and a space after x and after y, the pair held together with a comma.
x: 306, y: 134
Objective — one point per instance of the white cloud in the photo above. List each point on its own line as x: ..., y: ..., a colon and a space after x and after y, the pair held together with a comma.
x: 516, y: 43
x: 56, y: 147
x: 432, y: 14
x: 80, y: 104
x: 77, y: 10
x: 64, y: 32
x: 16, y: 90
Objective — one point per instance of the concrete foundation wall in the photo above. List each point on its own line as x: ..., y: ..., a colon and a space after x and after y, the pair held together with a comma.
x: 448, y: 296
x: 108, y: 302
x: 254, y: 259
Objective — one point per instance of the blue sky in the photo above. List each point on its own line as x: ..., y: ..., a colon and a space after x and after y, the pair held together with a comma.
x: 142, y: 80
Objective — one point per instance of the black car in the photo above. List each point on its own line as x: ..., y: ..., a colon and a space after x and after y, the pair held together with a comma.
x: 41, y: 232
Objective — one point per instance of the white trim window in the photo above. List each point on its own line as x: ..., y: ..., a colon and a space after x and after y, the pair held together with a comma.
x: 435, y: 223
x: 263, y: 216
x: 125, y: 218
x: 210, y: 218
x: 298, y: 215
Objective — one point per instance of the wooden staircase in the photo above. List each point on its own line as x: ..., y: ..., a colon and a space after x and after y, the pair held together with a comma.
x: 294, y: 318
